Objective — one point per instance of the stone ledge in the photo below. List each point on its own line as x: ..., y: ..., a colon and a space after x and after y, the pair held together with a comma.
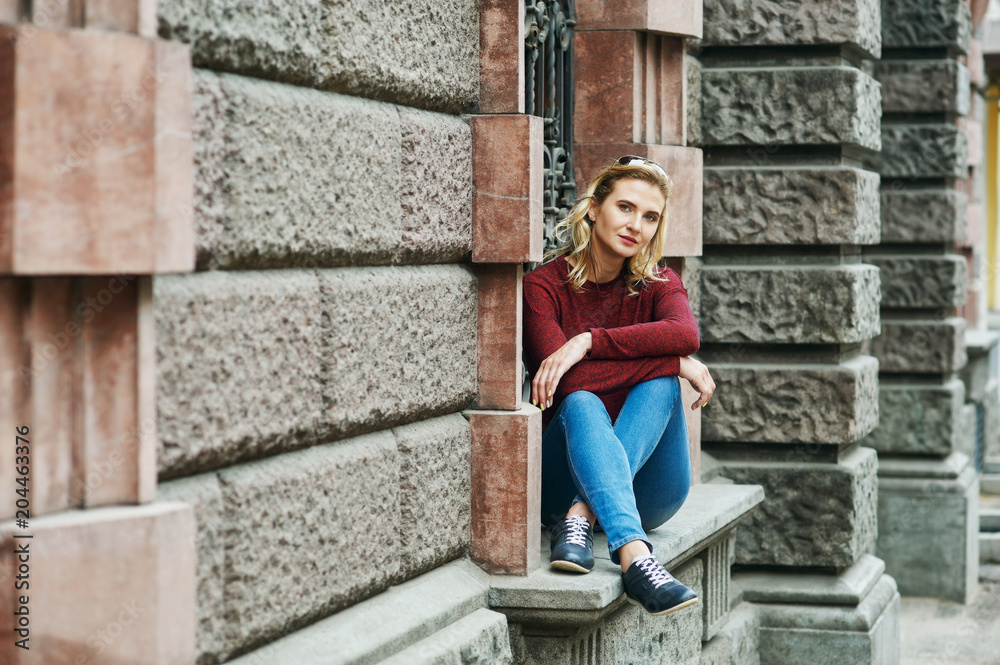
x: 384, y: 625
x: 863, y: 617
x: 480, y: 637
x: 948, y: 468
x: 850, y: 587
x: 549, y: 596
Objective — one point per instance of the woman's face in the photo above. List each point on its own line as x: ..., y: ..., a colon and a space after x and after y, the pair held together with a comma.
x: 627, y: 219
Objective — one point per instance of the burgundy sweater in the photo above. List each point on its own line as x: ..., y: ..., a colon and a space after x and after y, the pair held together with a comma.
x: 635, y: 338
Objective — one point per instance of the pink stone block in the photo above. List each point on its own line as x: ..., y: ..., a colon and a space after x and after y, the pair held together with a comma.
x: 77, y: 360
x: 977, y: 73
x: 499, y: 336
x: 11, y: 11
x: 506, y: 489
x: 689, y: 396
x: 117, y: 441
x: 673, y: 17
x: 133, y: 16
x: 50, y: 388
x: 508, y: 178
x: 58, y: 13
x: 974, y: 225
x: 682, y: 164
x: 974, y: 132
x: 83, y: 172
x: 112, y: 585
x: 174, y: 158
x: 630, y: 87
x: 501, y: 56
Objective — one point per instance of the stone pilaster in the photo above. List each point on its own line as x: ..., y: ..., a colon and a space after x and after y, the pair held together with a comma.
x: 929, y: 143
x: 790, y: 113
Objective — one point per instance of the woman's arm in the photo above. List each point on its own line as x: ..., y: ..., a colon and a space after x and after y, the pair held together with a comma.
x: 673, y: 332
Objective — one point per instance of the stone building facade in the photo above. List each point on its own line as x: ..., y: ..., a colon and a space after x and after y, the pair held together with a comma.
x: 260, y: 324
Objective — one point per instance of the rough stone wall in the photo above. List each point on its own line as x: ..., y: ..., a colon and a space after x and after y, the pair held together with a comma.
x: 787, y: 306
x: 928, y: 209
x: 310, y: 373
x: 791, y: 116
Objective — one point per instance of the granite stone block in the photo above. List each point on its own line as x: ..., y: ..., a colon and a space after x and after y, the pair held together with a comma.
x: 791, y: 206
x: 918, y: 419
x: 436, y: 188
x: 926, y: 24
x: 790, y: 105
x: 346, y: 181
x: 808, y: 404
x: 398, y: 345
x: 422, y: 53
x: 923, y: 215
x: 737, y: 642
x: 929, y: 531
x: 921, y: 281
x: 204, y: 494
x: 770, y: 23
x: 923, y: 86
x: 692, y: 69
x: 435, y: 458
x: 308, y: 533
x: 239, y: 364
x: 789, y: 304
x: 915, y: 345
x: 920, y: 151
x: 813, y: 514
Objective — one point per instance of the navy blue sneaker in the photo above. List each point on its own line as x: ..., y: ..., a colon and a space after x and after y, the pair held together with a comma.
x: 572, y: 545
x: 651, y: 587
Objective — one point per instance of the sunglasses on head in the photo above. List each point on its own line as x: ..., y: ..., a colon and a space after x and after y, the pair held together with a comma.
x: 636, y: 160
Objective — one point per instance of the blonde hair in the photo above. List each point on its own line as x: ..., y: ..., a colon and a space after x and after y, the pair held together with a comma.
x: 576, y: 230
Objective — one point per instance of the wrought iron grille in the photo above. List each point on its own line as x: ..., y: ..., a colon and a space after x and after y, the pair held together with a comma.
x: 548, y: 45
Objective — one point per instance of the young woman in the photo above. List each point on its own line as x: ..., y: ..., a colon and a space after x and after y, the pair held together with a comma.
x: 607, y: 333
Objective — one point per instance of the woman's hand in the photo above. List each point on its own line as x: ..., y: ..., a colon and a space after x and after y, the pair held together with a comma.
x: 697, y: 375
x: 543, y: 386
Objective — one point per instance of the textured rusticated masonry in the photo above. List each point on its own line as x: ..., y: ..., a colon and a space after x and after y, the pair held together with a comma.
x: 290, y: 539
x: 291, y: 177
x: 251, y: 364
x: 421, y: 53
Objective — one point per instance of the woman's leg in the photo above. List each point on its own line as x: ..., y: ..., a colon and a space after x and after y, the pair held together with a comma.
x: 662, y: 480
x: 599, y: 468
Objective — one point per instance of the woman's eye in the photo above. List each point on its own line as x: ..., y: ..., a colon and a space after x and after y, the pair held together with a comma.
x: 623, y: 207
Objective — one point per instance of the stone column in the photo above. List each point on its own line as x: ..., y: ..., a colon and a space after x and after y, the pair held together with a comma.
x: 507, y: 230
x: 927, y: 486
x: 788, y: 310
x: 95, y: 198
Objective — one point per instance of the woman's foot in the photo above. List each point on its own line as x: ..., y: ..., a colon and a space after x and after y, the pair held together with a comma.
x: 572, y: 545
x: 651, y: 587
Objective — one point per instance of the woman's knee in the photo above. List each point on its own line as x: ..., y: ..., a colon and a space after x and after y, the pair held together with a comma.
x: 667, y: 505
x: 582, y: 401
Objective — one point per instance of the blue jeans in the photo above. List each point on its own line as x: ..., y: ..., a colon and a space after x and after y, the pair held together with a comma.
x: 633, y: 475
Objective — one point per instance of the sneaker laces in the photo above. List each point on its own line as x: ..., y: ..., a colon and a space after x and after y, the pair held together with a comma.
x: 655, y: 572
x: 576, y: 530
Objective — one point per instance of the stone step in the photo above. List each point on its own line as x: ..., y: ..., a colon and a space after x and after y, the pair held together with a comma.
x: 991, y: 465
x: 392, y: 621
x: 989, y: 547
x: 989, y: 483
x: 710, y: 510
x: 478, y: 639
x: 989, y: 520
